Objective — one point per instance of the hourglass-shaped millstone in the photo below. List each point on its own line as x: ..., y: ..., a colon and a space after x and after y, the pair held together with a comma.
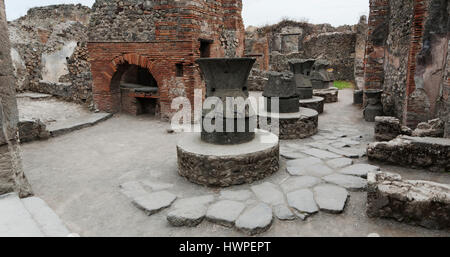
x: 374, y: 107
x: 320, y: 77
x: 302, y: 71
x: 282, y: 86
x: 227, y: 78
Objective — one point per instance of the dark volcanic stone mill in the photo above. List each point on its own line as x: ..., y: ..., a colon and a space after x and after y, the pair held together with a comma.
x: 302, y: 69
x: 226, y: 78
x: 234, y: 152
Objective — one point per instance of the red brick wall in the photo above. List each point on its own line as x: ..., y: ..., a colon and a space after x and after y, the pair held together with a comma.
x: 375, y: 51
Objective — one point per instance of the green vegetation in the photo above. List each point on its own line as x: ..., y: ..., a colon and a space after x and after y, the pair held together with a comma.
x: 343, y: 84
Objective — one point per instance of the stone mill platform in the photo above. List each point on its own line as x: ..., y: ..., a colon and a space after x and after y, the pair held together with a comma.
x: 299, y: 125
x: 226, y: 165
x: 315, y: 103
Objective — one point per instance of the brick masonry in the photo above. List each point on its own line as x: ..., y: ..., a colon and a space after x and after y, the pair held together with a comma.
x: 167, y: 34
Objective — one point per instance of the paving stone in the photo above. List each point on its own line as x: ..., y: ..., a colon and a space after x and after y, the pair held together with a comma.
x: 268, y: 193
x: 331, y: 198
x: 297, y: 167
x: 303, y: 201
x: 347, y: 181
x: 340, y: 163
x: 152, y: 203
x: 300, y: 215
x: 255, y: 220
x: 321, y: 154
x: 292, y: 154
x: 194, y: 201
x: 282, y: 212
x: 132, y: 189
x: 189, y: 216
x: 319, y: 145
x: 302, y: 182
x: 349, y: 153
x: 225, y: 212
x: 240, y: 195
x: 360, y: 170
x: 156, y: 186
x: 316, y: 170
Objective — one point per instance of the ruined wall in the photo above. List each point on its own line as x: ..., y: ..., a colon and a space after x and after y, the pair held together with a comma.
x: 278, y: 43
x: 49, y: 51
x: 12, y: 178
x: 407, y: 55
x: 160, y: 35
x: 396, y: 61
x: 360, y: 50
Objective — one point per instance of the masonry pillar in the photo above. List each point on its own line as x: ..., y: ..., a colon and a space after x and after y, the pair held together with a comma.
x: 12, y: 178
x: 375, y: 47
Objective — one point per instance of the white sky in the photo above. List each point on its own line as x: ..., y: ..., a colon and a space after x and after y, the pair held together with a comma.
x: 256, y: 12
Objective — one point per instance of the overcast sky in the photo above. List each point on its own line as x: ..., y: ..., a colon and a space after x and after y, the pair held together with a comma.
x: 256, y: 12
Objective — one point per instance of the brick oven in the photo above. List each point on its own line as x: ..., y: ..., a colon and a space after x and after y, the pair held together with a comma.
x: 143, y: 52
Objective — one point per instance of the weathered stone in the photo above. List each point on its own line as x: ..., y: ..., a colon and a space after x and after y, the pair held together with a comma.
x: 225, y: 212
x: 133, y: 189
x: 331, y: 198
x: 156, y: 186
x: 347, y: 181
x: 316, y: 103
x: 303, y: 201
x: 255, y: 220
x: 292, y: 154
x: 240, y: 195
x: 388, y: 128
x: 432, y: 128
x: 282, y: 212
x: 232, y: 164
x: 330, y: 95
x: 298, y: 167
x: 189, y: 212
x: 422, y: 203
x: 339, y: 163
x: 347, y: 152
x: 374, y: 107
x: 420, y: 152
x: 268, y: 193
x: 154, y: 202
x: 302, y: 182
x: 321, y: 154
x: 360, y: 170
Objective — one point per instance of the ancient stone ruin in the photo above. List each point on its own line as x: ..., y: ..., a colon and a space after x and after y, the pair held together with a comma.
x: 143, y: 111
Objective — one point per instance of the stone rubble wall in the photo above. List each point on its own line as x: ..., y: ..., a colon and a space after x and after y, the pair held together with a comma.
x: 360, y: 49
x: 407, y: 57
x: 12, y: 177
x: 278, y: 43
x: 49, y: 49
x: 416, y: 152
x: 422, y: 203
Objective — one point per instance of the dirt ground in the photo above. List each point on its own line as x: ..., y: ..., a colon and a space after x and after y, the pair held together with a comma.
x: 79, y: 175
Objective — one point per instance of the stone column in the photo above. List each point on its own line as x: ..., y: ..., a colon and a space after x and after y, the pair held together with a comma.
x: 12, y: 178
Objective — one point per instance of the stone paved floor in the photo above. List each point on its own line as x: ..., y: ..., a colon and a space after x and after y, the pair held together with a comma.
x: 79, y: 176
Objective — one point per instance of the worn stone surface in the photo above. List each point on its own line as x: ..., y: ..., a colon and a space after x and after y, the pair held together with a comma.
x: 316, y: 103
x: 302, y: 182
x: 421, y: 152
x: 255, y: 220
x: 239, y: 195
x: 388, y: 128
x: 225, y: 212
x: 30, y: 130
x: 347, y: 181
x: 422, y: 203
x: 12, y: 177
x: 303, y: 201
x: 321, y: 154
x: 432, y: 128
x: 360, y: 170
x: 299, y: 125
x: 233, y: 164
x: 282, y: 212
x: 297, y: 167
x: 331, y: 95
x: 268, y: 193
x: 189, y: 212
x: 339, y: 163
x: 152, y: 203
x: 331, y: 198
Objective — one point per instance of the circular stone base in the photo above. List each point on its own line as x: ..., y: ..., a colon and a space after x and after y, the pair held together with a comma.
x: 330, y: 94
x: 302, y: 124
x: 315, y: 103
x: 227, y: 165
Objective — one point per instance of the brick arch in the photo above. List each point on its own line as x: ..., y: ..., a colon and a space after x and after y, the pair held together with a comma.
x: 138, y: 60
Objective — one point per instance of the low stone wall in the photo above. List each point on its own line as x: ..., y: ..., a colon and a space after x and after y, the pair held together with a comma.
x: 421, y: 203
x: 416, y: 152
x: 388, y: 128
x: 331, y: 95
x: 31, y: 130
